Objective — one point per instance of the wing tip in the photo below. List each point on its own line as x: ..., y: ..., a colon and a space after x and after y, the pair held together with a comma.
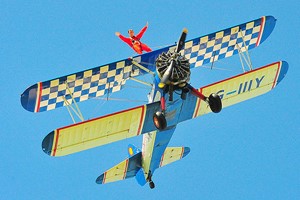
x: 47, y: 143
x: 99, y: 180
x: 186, y: 151
x: 283, y: 71
x: 28, y: 98
x: 269, y: 24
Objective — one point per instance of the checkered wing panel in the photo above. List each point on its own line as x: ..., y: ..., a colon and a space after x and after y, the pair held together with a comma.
x: 84, y: 85
x: 223, y: 44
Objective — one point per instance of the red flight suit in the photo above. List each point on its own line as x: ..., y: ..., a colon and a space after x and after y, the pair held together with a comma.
x: 135, y: 43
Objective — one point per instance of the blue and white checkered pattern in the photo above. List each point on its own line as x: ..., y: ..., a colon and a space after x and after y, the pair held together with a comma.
x: 86, y: 84
x: 226, y: 43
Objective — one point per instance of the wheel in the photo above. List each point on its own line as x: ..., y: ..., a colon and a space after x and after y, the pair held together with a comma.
x: 215, y: 103
x: 159, y: 120
x: 151, y: 185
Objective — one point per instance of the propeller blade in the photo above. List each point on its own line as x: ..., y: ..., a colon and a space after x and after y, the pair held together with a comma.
x: 181, y: 40
x: 179, y: 46
x: 166, y: 76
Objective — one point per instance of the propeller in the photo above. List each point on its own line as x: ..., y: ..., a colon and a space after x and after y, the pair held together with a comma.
x: 169, y: 70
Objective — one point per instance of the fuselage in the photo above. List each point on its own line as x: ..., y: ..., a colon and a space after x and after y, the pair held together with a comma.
x: 155, y: 142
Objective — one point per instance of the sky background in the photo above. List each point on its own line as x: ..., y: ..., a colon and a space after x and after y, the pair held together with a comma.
x: 248, y: 151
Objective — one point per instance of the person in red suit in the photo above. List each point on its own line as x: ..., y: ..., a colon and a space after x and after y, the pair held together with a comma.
x: 134, y: 40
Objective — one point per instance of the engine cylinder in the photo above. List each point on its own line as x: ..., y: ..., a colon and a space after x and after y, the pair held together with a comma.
x: 181, y: 69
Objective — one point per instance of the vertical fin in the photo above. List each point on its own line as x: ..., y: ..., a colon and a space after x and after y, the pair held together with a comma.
x: 140, y: 177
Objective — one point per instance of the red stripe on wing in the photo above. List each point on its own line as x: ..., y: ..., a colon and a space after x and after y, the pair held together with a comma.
x: 56, y: 136
x: 142, y: 120
x: 276, y: 77
x: 126, y: 167
x: 262, y: 26
x: 40, y: 87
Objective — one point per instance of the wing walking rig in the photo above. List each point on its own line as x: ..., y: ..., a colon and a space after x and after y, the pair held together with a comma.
x: 172, y: 98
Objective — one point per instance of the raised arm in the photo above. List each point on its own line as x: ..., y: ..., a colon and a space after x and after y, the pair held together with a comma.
x: 142, y: 31
x: 124, y: 39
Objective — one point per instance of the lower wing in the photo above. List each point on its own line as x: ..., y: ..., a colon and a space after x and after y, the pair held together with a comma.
x: 244, y: 86
x: 236, y: 89
x: 100, y: 131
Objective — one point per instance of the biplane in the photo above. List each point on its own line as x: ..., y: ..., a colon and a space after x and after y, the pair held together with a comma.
x: 172, y: 98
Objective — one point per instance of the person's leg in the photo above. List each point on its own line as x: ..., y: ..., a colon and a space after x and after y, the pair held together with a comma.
x: 146, y: 48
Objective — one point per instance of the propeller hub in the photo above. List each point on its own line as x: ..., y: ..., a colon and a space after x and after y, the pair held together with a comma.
x: 172, y: 67
x: 177, y: 74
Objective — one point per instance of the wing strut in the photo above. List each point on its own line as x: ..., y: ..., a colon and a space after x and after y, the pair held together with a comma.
x: 139, y: 81
x: 213, y: 61
x: 243, y: 58
x: 76, y: 110
x: 142, y: 68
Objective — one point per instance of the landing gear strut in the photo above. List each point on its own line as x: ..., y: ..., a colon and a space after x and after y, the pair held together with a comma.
x: 214, y: 100
x: 151, y: 183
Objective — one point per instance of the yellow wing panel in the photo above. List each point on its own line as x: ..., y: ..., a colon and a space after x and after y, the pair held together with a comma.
x: 116, y: 173
x: 96, y: 132
x: 240, y: 88
x: 173, y: 154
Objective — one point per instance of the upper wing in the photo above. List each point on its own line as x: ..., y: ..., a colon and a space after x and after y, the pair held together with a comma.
x: 83, y: 85
x: 228, y: 42
x: 236, y: 89
x: 98, y: 81
x: 100, y: 131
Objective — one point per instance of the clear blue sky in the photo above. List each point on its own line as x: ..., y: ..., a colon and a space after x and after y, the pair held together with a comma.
x: 248, y: 151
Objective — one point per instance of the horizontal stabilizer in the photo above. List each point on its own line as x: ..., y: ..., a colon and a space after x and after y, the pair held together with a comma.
x: 125, y: 169
x: 173, y: 154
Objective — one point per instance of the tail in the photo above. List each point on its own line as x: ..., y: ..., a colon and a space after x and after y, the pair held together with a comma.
x: 125, y: 169
x: 132, y: 166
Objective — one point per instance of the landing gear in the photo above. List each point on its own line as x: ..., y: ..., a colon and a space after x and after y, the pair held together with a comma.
x: 184, y: 92
x: 214, y: 102
x: 151, y: 185
x: 159, y: 120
